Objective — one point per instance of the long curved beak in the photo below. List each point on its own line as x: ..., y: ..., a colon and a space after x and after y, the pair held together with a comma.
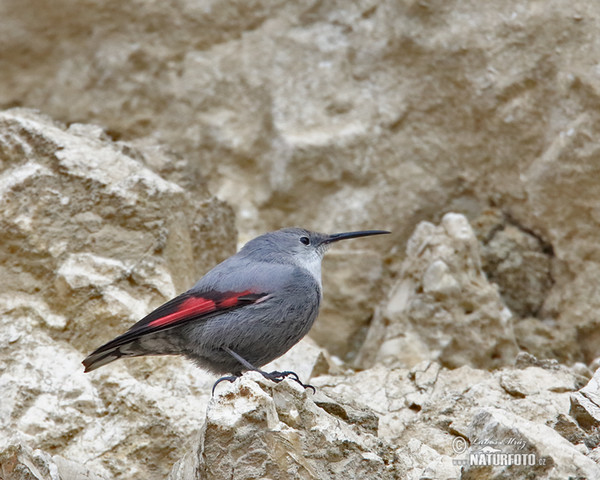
x: 335, y: 237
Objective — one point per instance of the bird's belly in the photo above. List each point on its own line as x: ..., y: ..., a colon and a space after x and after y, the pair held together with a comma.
x: 259, y: 335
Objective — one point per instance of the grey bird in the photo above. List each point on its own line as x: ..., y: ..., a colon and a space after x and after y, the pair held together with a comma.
x: 245, y: 312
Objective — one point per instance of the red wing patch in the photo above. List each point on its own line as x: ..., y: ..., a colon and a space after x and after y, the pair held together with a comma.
x: 189, y: 307
x: 229, y: 302
x: 192, y: 306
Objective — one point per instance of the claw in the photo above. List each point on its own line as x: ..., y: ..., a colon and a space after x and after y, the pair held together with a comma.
x: 229, y: 378
x: 279, y: 376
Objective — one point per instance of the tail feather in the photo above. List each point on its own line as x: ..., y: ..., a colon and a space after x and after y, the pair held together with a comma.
x: 102, y: 357
x: 111, y: 351
x: 128, y: 345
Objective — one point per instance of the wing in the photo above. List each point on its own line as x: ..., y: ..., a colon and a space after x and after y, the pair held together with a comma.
x: 186, y: 307
x: 193, y: 306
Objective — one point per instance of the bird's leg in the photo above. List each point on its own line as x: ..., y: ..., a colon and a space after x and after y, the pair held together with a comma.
x: 273, y: 376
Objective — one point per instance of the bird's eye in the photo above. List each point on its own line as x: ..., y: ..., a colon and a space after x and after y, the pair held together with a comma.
x: 305, y: 240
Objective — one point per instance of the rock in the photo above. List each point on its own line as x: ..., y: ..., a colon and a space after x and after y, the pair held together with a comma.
x: 340, y: 116
x: 255, y: 428
x: 433, y: 406
x: 18, y: 462
x: 96, y: 227
x: 536, y: 449
x: 585, y: 404
x: 72, y: 470
x: 524, y: 382
x: 521, y: 265
x: 93, y: 240
x: 566, y: 169
x: 332, y: 116
x: 351, y: 286
x: 442, y: 308
x: 429, y: 414
x: 422, y: 462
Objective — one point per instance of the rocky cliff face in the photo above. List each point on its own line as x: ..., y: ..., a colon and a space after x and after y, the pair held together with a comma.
x: 467, y: 129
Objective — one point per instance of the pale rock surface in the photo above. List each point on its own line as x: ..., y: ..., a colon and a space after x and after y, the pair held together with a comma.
x: 442, y: 307
x: 257, y: 429
x: 429, y: 407
x: 329, y: 115
x: 585, y: 404
x: 524, y: 267
x: 92, y: 240
x: 19, y: 462
x: 519, y: 262
x: 419, y: 423
x: 307, y: 359
x: 339, y: 115
x: 351, y: 286
x: 418, y: 461
x: 85, y: 223
x: 563, y: 190
x: 346, y: 115
x: 547, y: 454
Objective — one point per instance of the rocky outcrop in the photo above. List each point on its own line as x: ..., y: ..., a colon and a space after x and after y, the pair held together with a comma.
x: 92, y: 239
x: 380, y: 423
x: 262, y: 430
x: 443, y: 307
x: 467, y: 129
x: 339, y: 116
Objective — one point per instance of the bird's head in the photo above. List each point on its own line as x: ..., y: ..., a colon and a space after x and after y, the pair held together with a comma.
x: 298, y: 246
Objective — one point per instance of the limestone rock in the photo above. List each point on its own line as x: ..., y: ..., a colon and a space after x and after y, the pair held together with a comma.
x: 329, y: 115
x: 442, y: 308
x: 566, y: 170
x: 257, y: 429
x: 352, y: 285
x: 92, y: 241
x: 585, y: 404
x: 348, y: 115
x: 521, y: 265
x: 539, y: 450
x: 84, y: 222
x: 438, y: 412
x: 19, y: 462
x: 402, y: 109
x: 428, y: 422
x: 305, y: 358
x: 418, y: 461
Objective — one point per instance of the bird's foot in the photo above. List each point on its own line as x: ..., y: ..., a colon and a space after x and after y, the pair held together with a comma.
x: 229, y: 378
x: 273, y: 376
x: 279, y: 376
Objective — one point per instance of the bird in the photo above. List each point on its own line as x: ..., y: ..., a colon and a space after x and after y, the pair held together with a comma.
x: 244, y: 313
